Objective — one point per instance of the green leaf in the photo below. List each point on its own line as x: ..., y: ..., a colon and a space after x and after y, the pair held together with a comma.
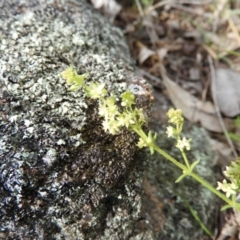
x: 127, y: 99
x: 181, y: 178
x: 151, y: 150
x: 237, y: 121
x: 194, y: 164
x: 235, y: 137
x: 225, y: 207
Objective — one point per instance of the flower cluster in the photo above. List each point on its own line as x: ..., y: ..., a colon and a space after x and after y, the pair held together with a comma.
x: 228, y: 188
x: 233, y: 174
x: 175, y: 118
x: 114, y: 119
x: 117, y: 113
x: 76, y: 81
x: 233, y: 171
x: 183, y: 144
x: 96, y: 90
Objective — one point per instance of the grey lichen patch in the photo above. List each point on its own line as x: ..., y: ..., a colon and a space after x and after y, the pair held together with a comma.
x: 170, y: 218
x: 61, y: 175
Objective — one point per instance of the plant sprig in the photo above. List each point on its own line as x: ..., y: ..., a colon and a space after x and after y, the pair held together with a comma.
x: 133, y: 118
x: 130, y: 116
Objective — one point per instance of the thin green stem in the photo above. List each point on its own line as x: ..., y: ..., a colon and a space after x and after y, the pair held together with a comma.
x: 197, y: 178
x: 195, y: 215
x: 185, y: 168
x: 215, y: 191
x: 170, y: 158
x: 185, y: 159
x: 139, y: 131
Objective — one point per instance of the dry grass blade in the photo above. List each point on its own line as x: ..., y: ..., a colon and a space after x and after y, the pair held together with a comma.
x: 234, y: 29
x: 139, y: 6
x: 158, y: 5
x: 213, y: 76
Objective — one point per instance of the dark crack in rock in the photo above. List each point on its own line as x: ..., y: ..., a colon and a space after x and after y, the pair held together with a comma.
x: 61, y: 175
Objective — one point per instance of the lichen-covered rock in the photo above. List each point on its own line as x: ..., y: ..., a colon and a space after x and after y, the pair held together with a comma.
x: 61, y: 175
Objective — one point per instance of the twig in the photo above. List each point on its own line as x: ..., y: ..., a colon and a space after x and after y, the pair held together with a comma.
x: 210, y: 51
x: 234, y: 29
x: 154, y: 81
x: 199, y: 3
x: 217, y: 12
x: 139, y: 6
x: 205, y: 90
x: 190, y: 10
x: 213, y: 77
x: 158, y: 5
x: 170, y: 2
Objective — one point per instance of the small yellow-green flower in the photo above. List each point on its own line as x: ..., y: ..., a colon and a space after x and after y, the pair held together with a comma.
x: 72, y: 78
x: 108, y: 109
x: 148, y: 142
x: 233, y: 171
x: 96, y: 90
x: 183, y: 143
x: 111, y: 126
x: 228, y: 188
x: 112, y: 107
x: 103, y: 110
x: 170, y: 131
x: 175, y: 116
x: 141, y: 143
x: 127, y: 99
x: 68, y: 75
x: 125, y: 119
x: 139, y: 116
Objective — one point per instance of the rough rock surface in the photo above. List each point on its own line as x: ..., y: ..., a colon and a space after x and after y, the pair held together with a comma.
x: 61, y: 175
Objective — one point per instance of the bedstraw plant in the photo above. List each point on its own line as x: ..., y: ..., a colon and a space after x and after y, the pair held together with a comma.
x: 118, y: 113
